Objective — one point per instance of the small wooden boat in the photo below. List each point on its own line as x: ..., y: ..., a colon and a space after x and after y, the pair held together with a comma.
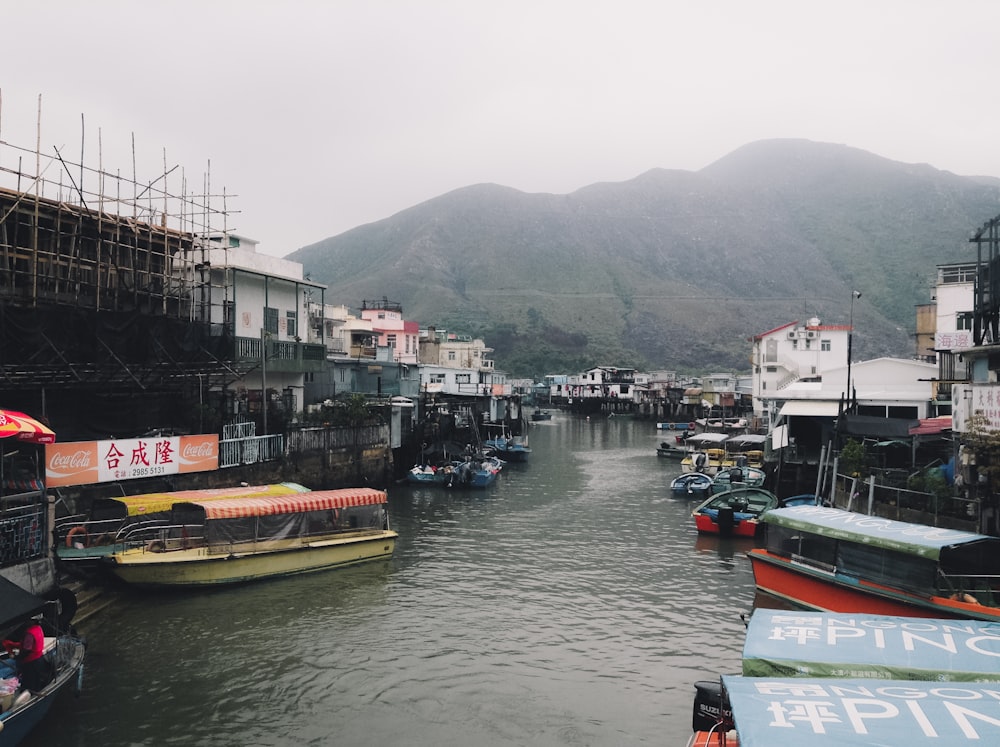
x: 726, y: 479
x: 244, y: 539
x: 509, y: 448
x: 829, y: 559
x: 431, y: 474
x: 735, y: 512
x: 692, y: 485
x: 22, y: 710
x: 539, y: 414
x: 706, y: 453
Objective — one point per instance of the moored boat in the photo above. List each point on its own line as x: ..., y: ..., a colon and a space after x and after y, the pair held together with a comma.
x: 788, y: 643
x: 21, y: 708
x: 82, y: 540
x: 907, y: 652
x: 829, y: 559
x: 691, y: 485
x: 244, y: 539
x: 509, y: 448
x: 731, y: 477
x: 790, y: 712
x: 735, y: 512
x: 706, y: 453
x: 540, y: 414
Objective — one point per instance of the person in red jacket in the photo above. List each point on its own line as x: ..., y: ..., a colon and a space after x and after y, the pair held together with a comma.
x: 33, y: 668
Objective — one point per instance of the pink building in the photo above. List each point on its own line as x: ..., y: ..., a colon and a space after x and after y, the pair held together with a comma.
x: 391, y: 330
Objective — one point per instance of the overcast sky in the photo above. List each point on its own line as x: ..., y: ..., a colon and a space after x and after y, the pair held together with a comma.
x: 317, y: 117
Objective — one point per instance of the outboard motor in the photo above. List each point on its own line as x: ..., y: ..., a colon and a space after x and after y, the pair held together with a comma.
x: 709, y: 707
x: 726, y: 520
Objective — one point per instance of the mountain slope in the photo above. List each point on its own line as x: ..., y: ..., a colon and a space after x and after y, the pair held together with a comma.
x: 671, y: 269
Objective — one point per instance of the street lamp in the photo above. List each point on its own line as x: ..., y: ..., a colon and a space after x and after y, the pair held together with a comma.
x: 850, y: 341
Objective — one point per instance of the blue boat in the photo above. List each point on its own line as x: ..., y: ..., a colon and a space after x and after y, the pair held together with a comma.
x: 509, y: 448
x: 726, y: 479
x: 692, y: 485
x: 475, y: 472
x: 23, y: 710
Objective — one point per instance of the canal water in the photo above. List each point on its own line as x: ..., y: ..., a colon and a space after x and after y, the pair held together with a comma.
x: 572, y: 603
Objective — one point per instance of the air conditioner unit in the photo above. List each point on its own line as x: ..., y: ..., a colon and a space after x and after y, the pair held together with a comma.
x: 791, y: 335
x: 810, y: 334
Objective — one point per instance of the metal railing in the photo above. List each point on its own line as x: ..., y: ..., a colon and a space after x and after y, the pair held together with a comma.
x: 250, y: 450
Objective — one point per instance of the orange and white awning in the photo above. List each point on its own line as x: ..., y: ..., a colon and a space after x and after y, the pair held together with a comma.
x: 24, y: 428
x: 317, y: 500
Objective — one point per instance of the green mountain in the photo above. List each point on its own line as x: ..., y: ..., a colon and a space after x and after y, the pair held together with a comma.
x: 672, y: 269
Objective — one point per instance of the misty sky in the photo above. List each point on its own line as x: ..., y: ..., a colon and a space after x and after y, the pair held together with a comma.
x: 317, y: 117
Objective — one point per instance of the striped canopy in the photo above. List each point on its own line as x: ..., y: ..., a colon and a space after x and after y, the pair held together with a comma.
x: 24, y: 428
x: 317, y: 500
x: 149, y: 503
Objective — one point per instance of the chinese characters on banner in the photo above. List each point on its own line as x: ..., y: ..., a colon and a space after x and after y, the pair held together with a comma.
x: 986, y: 402
x: 87, y: 462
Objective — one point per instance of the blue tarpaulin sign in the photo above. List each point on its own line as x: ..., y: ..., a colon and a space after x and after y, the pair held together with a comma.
x: 775, y: 712
x: 782, y: 643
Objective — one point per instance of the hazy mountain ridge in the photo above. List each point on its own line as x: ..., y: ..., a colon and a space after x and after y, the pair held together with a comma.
x: 671, y: 269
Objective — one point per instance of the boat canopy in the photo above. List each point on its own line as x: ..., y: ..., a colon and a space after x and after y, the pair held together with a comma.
x: 296, y: 503
x: 747, y: 441
x: 158, y: 503
x: 874, y: 531
x: 16, y: 604
x: 771, y: 712
x: 781, y: 643
x: 704, y: 439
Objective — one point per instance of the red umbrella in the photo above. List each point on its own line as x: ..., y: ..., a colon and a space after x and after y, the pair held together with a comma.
x: 24, y: 428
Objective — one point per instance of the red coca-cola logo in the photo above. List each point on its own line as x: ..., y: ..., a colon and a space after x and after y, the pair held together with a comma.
x: 77, y: 460
x: 200, y: 450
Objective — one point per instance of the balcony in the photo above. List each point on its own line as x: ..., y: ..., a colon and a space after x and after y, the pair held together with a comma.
x: 283, y: 356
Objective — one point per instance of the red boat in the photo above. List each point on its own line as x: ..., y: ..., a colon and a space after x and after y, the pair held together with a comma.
x: 734, y: 512
x: 839, y: 561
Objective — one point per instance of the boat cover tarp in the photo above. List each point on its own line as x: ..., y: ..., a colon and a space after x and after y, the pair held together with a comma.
x: 771, y: 712
x: 152, y: 503
x: 913, y: 539
x: 781, y: 643
x: 703, y: 439
x: 317, y: 500
x: 747, y: 440
x: 16, y: 604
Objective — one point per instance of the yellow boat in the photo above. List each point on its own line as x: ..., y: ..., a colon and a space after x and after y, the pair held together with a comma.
x: 86, y: 539
x: 232, y: 540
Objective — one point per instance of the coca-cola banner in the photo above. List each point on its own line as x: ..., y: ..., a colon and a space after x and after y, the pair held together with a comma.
x: 87, y: 462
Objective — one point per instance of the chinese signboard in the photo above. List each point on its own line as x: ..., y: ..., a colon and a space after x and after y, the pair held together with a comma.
x: 953, y: 340
x: 87, y: 462
x: 977, y: 399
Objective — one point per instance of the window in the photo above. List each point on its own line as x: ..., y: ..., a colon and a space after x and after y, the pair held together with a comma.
x: 437, y: 378
x: 291, y: 320
x: 451, y: 355
x: 270, y: 320
x: 463, y: 379
x: 963, y: 320
x: 390, y: 340
x: 824, y: 345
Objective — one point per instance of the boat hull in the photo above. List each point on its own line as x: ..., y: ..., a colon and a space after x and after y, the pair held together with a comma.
x: 199, y: 567
x: 17, y: 723
x: 817, y: 590
x: 706, y: 523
